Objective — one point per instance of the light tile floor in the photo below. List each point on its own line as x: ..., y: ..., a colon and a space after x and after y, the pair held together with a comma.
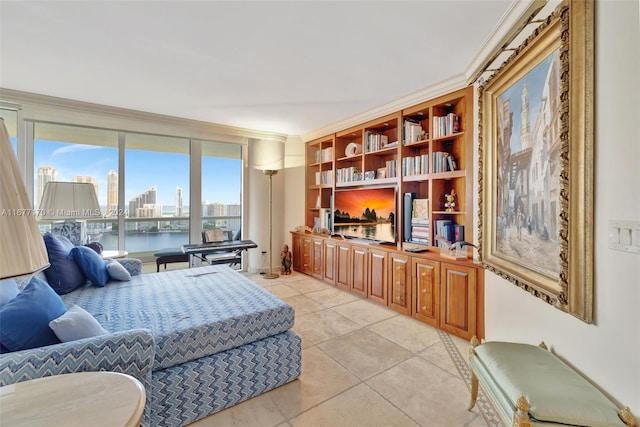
x: 362, y: 365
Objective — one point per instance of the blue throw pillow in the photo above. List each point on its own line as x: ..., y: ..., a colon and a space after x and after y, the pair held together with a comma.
x: 63, y: 275
x: 25, y: 319
x: 91, y: 264
x: 8, y: 291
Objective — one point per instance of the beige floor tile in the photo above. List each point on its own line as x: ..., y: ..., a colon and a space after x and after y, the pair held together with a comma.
x: 438, y: 355
x: 322, y: 378
x: 407, y: 332
x: 261, y: 411
x: 359, y: 406
x: 426, y: 393
x: 323, y: 325
x: 283, y: 291
x: 364, y: 312
x: 307, y: 285
x: 302, y: 304
x: 365, y: 353
x: 332, y: 297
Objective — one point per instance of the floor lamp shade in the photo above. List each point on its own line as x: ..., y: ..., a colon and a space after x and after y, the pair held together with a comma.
x: 22, y: 249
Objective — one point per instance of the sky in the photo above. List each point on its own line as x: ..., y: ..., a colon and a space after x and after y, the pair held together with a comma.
x: 354, y: 202
x: 535, y: 84
x: 143, y: 169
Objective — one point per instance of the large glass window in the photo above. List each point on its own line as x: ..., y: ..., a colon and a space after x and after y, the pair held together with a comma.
x: 156, y: 192
x: 221, y: 186
x: 78, y: 154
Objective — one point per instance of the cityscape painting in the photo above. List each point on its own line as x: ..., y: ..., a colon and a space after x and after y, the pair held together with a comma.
x: 536, y: 156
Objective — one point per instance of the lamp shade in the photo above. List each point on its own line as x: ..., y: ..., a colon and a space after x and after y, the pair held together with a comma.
x: 22, y: 249
x: 268, y: 154
x: 69, y: 200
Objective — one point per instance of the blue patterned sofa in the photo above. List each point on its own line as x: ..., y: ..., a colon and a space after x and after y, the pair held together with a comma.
x: 200, y: 340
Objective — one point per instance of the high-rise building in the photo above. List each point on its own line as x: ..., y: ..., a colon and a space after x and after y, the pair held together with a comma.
x: 178, y: 211
x: 112, y: 193
x: 87, y: 180
x: 45, y: 174
x: 149, y: 197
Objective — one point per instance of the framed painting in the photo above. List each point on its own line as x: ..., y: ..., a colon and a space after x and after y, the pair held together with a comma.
x: 536, y: 163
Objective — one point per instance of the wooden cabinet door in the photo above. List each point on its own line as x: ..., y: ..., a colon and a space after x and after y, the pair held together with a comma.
x: 343, y: 265
x: 296, y: 249
x: 330, y: 261
x: 458, y: 300
x: 377, y: 276
x: 316, y: 264
x: 400, y: 283
x: 425, y: 290
x: 306, y: 255
x: 359, y: 270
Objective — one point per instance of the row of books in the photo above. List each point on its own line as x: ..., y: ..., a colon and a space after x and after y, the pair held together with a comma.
x: 412, y: 132
x: 416, y: 165
x: 324, y: 177
x: 420, y: 232
x: 349, y: 174
x: 445, y: 125
x: 374, y: 141
x: 443, y: 162
x: 324, y: 155
x: 449, y: 230
x: 391, y: 169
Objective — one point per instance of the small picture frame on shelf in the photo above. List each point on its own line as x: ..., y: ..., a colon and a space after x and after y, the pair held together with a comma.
x: 382, y: 173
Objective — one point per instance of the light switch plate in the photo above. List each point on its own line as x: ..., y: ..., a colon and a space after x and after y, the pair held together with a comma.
x: 624, y: 236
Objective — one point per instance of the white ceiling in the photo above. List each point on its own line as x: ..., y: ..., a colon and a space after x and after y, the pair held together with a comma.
x: 288, y: 66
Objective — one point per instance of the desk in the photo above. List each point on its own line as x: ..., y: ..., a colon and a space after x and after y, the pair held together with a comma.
x: 94, y: 399
x: 224, y: 252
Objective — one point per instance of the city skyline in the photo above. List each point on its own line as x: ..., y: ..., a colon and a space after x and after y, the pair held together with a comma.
x: 168, y: 171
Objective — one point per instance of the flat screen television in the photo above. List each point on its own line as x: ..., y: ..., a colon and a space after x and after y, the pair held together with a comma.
x: 366, y: 213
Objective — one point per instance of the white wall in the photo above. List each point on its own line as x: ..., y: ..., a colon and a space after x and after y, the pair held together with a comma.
x: 608, y: 351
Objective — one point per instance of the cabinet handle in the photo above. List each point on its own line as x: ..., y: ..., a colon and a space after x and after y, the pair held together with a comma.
x: 424, y: 307
x: 423, y: 274
x: 424, y: 291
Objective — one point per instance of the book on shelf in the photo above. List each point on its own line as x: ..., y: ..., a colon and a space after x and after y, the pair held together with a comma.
x: 374, y: 141
x: 458, y: 232
x: 412, y: 131
x: 420, y: 210
x: 444, y: 228
x: 446, y: 125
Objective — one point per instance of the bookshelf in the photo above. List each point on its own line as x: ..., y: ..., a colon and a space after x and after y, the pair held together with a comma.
x: 425, y: 149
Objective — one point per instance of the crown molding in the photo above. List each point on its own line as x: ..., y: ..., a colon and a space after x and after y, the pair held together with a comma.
x: 430, y: 92
x: 511, y: 23
x: 45, y: 108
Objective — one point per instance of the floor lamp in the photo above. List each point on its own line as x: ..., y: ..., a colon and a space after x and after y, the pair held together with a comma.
x: 271, y: 274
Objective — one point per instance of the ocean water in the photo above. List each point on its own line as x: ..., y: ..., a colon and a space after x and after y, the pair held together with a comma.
x: 145, y: 242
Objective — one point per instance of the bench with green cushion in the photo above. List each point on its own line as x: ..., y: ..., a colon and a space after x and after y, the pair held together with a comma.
x: 168, y: 256
x: 530, y: 386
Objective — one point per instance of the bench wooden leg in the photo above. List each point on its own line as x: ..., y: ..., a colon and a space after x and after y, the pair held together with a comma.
x: 474, y: 380
x: 474, y: 390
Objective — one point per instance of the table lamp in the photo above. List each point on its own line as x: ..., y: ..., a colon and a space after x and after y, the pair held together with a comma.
x: 68, y: 205
x: 22, y: 249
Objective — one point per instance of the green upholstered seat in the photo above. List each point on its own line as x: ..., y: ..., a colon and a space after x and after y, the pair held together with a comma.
x: 555, y: 392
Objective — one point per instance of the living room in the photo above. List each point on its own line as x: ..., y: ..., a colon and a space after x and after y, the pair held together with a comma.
x: 605, y: 351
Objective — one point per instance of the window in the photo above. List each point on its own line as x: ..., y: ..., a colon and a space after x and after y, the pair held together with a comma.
x: 71, y: 153
x: 156, y: 192
x: 221, y: 186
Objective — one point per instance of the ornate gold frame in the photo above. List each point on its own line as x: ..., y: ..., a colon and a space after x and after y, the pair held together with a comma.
x: 569, y: 29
